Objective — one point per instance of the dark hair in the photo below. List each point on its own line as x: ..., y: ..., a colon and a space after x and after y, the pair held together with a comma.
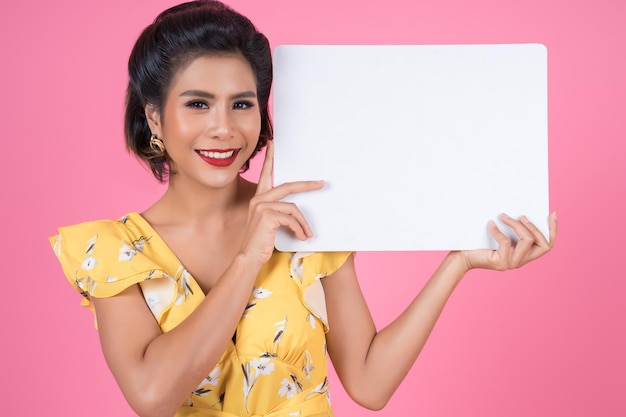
x: 175, y: 38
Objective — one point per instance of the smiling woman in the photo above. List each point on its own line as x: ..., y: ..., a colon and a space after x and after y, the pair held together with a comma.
x: 211, y: 111
x: 169, y: 45
x: 197, y: 314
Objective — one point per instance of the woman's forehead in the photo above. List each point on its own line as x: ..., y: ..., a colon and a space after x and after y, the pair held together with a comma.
x: 216, y: 74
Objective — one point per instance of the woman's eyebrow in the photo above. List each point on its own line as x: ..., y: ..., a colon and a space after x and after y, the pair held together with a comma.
x: 204, y: 94
x: 197, y: 93
x: 245, y: 94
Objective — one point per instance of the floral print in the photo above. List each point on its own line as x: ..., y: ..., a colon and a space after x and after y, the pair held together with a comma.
x: 252, y: 371
x: 277, y: 361
x: 89, y: 263
x: 262, y: 366
x: 257, y: 294
x: 308, y: 367
x: 290, y: 387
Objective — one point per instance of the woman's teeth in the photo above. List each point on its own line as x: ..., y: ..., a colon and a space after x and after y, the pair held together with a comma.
x: 217, y: 155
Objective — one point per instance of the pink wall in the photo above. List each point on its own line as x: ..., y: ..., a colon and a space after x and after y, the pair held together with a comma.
x: 547, y: 340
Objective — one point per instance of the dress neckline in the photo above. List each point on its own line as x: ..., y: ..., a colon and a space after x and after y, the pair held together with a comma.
x: 143, y: 224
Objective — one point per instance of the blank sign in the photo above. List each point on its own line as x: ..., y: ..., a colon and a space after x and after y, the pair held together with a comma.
x: 420, y: 145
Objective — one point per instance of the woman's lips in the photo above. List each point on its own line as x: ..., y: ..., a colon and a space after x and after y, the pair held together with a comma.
x: 218, y: 157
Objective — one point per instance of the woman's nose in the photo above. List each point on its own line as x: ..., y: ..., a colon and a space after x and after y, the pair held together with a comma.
x: 220, y: 123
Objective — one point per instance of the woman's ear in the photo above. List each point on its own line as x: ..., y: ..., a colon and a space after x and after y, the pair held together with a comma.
x: 153, y: 116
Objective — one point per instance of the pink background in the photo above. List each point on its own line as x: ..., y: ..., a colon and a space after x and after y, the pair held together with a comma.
x: 547, y: 340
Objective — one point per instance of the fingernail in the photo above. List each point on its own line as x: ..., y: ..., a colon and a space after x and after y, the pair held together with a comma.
x: 554, y: 215
x: 525, y: 219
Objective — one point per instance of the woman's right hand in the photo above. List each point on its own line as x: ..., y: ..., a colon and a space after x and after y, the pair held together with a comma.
x: 267, y: 212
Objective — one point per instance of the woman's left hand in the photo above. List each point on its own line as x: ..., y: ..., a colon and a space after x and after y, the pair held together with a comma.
x: 531, y: 245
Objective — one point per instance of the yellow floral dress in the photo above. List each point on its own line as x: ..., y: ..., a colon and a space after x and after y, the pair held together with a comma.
x: 275, y: 365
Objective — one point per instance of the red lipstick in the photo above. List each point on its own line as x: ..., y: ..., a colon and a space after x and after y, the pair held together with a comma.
x: 218, y: 157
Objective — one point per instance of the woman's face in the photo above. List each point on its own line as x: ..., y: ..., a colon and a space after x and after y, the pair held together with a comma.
x: 211, y: 120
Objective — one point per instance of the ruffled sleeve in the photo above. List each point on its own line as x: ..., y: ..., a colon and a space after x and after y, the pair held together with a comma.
x: 103, y: 258
x: 309, y: 268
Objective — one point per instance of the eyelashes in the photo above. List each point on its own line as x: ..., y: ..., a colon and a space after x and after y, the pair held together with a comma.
x: 197, y: 104
x: 242, y: 105
x: 203, y: 105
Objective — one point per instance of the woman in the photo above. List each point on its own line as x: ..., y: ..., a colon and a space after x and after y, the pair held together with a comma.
x: 196, y: 312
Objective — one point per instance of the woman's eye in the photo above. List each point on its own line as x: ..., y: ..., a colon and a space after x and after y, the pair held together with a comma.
x: 242, y: 105
x: 196, y: 104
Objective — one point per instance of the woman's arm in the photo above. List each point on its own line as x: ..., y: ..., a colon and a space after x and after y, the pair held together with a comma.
x: 371, y: 364
x: 157, y: 372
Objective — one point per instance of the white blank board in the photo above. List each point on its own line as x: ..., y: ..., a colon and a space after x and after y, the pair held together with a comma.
x: 420, y: 145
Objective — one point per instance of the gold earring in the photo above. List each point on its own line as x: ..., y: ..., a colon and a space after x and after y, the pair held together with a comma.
x: 157, y: 145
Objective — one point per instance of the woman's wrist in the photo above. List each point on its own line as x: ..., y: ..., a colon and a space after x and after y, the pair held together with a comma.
x: 247, y: 262
x: 458, y: 262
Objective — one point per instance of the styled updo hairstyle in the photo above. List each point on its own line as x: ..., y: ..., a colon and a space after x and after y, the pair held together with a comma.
x: 177, y: 37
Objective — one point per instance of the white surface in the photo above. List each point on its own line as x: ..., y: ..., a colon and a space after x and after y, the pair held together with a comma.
x: 420, y: 146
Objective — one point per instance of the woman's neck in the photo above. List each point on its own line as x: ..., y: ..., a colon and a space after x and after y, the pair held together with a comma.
x: 195, y: 204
